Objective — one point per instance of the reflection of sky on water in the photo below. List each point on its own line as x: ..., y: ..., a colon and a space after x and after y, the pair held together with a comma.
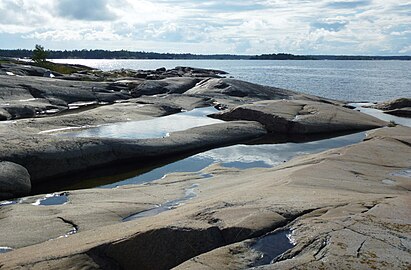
x: 381, y: 115
x: 271, y: 246
x: 153, y: 128
x: 191, y: 164
x: 52, y: 199
x: 189, y: 194
x: 274, y: 154
x: 243, y: 157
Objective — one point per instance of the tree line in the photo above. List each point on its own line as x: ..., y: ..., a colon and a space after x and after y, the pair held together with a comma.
x: 123, y: 54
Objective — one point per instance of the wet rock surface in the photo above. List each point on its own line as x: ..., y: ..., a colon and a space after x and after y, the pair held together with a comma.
x: 335, y: 204
x: 344, y: 208
x: 47, y: 156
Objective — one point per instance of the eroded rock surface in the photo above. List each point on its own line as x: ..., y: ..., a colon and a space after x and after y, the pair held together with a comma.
x: 301, y: 117
x: 47, y: 156
x: 340, y: 209
x: 176, y: 85
x: 346, y: 207
x: 232, y: 92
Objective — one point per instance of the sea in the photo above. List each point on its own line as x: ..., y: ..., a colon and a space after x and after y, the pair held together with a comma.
x: 353, y: 81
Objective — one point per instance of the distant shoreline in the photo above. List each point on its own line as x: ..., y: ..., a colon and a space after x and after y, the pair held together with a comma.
x: 105, y: 54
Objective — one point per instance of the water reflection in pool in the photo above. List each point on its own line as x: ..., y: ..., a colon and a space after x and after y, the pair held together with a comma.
x: 271, y: 246
x: 154, y: 128
x: 243, y: 157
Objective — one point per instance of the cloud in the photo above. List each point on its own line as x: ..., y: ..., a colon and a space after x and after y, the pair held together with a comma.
x: 348, y: 4
x: 222, y: 6
x: 87, y: 10
x: 329, y: 26
x: 23, y: 15
x: 197, y: 26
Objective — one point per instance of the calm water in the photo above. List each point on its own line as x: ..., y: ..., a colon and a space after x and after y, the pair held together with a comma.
x: 271, y: 246
x: 243, y: 157
x: 153, y: 128
x: 345, y: 80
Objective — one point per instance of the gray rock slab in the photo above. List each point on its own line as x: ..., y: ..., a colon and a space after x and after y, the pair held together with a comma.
x: 401, y: 112
x: 239, y: 91
x: 393, y: 104
x: 23, y: 70
x: 174, y: 85
x: 46, y: 156
x: 340, y: 212
x: 45, y: 94
x: 301, y: 117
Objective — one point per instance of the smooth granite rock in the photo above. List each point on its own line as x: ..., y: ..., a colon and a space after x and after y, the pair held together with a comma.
x: 393, y: 104
x: 14, y: 180
x: 47, y: 156
x: 398, y: 107
x: 176, y: 85
x: 301, y: 117
x: 23, y: 70
x: 345, y: 208
x: 233, y: 91
x: 341, y: 212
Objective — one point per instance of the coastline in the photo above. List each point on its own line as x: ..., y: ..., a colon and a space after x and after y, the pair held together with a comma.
x: 313, y: 196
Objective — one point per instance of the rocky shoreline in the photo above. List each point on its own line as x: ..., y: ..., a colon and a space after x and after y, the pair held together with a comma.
x: 345, y: 208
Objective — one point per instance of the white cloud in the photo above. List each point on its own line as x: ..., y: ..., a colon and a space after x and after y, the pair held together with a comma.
x: 227, y: 26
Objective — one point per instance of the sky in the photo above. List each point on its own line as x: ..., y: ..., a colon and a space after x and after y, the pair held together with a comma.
x: 353, y: 27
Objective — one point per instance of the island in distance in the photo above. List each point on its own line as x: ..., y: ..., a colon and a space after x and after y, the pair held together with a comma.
x: 342, y: 208
x: 124, y: 54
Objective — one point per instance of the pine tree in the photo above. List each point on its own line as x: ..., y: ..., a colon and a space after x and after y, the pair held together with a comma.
x: 39, y: 54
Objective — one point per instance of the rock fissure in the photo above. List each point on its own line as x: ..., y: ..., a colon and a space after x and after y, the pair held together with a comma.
x: 359, y: 248
x: 323, y: 238
x: 378, y: 239
x: 323, y: 245
x: 75, y: 226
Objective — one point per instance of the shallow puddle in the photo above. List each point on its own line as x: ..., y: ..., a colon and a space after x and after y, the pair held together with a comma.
x: 53, y: 199
x: 154, y: 128
x: 189, y: 194
x: 272, y: 245
x: 5, y: 249
x: 5, y: 203
x: 403, y: 173
x: 242, y: 157
x: 388, y: 182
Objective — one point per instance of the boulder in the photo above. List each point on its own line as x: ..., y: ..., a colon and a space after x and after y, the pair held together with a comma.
x: 393, y: 104
x: 24, y: 70
x: 301, y: 117
x: 177, y: 85
x: 398, y: 107
x: 237, y: 88
x: 4, y: 115
x: 198, y: 72
x: 231, y: 92
x: 402, y: 112
x: 20, y: 111
x: 14, y: 180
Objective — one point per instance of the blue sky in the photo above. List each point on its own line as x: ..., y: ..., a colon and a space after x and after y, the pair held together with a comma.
x: 368, y: 27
